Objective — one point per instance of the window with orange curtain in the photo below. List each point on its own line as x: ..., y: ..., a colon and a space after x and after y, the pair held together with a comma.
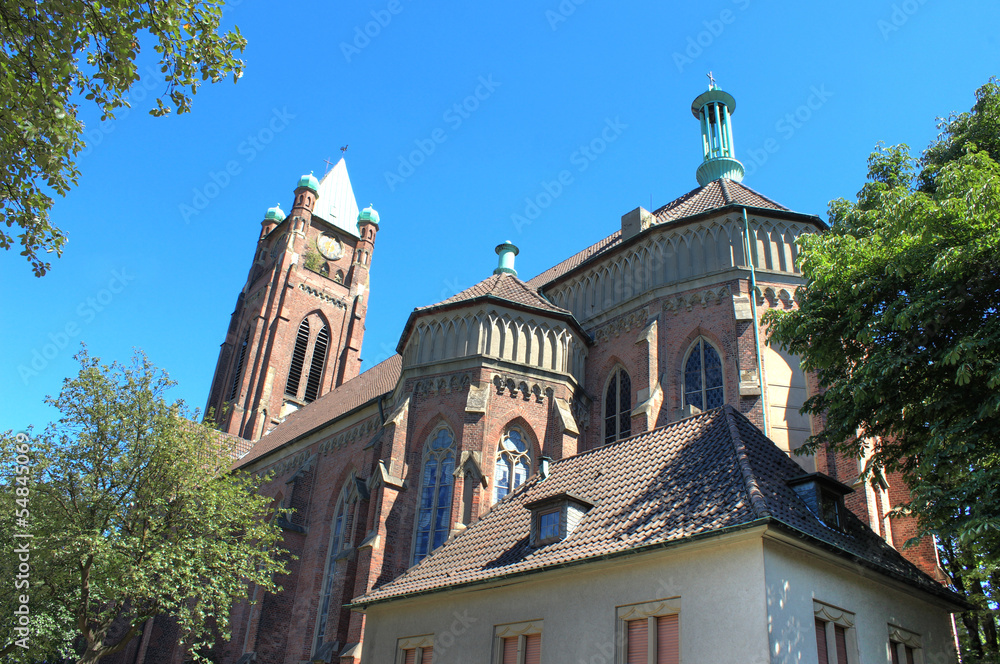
x: 518, y: 643
x: 649, y: 633
x: 652, y: 640
x: 415, y: 650
x: 835, y: 639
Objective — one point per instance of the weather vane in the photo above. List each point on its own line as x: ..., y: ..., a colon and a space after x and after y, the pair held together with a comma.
x: 343, y: 150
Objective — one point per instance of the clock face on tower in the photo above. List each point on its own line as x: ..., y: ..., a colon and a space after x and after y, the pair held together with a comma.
x: 331, y: 248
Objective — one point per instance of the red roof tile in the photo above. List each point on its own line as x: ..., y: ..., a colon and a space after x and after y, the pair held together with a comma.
x: 694, y: 477
x: 380, y: 379
x: 503, y: 286
x: 714, y: 195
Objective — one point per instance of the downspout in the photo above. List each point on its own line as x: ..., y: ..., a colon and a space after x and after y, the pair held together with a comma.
x: 753, y: 309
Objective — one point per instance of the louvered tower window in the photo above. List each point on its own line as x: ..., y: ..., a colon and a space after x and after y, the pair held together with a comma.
x: 241, y: 357
x: 316, y: 365
x: 298, y: 360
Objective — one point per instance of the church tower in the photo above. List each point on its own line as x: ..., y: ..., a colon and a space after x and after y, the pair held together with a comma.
x: 299, y: 320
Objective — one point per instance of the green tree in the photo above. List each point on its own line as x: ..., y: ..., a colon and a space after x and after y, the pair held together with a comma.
x: 899, y: 320
x: 133, y: 512
x: 54, y: 53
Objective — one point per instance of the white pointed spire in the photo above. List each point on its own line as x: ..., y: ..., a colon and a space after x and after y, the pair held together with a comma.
x: 335, y: 202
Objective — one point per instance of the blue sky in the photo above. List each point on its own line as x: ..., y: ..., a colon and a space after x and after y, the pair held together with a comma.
x: 459, y: 117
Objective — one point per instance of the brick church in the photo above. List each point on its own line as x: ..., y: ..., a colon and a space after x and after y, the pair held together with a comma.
x: 654, y: 325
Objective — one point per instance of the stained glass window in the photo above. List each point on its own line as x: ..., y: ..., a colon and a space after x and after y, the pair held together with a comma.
x: 703, y: 377
x: 340, y: 539
x: 618, y: 406
x: 513, y: 464
x: 436, y: 484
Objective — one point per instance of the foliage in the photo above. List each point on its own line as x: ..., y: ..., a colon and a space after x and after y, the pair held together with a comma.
x: 899, y: 321
x: 313, y: 260
x: 42, y: 78
x: 134, y: 513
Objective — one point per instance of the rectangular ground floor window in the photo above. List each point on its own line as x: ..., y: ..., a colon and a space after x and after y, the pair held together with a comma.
x: 836, y: 642
x: 415, y: 650
x: 649, y: 633
x: 905, y: 647
x: 518, y: 643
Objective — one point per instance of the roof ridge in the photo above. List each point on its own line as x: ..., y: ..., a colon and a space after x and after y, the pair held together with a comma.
x: 366, y: 380
x: 726, y: 196
x: 766, y: 198
x: 501, y: 286
x: 683, y: 198
x: 757, y: 500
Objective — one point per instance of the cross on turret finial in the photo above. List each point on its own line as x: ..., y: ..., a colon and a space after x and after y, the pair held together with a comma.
x: 711, y: 81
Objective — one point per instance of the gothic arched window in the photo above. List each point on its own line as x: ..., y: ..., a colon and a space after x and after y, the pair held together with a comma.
x: 513, y: 463
x: 703, y: 376
x: 317, y: 364
x: 436, y: 484
x: 618, y: 406
x: 300, y: 360
x: 340, y: 539
x: 241, y: 356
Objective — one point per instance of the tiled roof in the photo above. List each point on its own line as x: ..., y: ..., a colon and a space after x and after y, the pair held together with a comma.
x: 240, y: 445
x: 234, y: 445
x: 505, y: 287
x: 576, y: 259
x: 694, y: 477
x: 715, y: 194
x: 380, y: 379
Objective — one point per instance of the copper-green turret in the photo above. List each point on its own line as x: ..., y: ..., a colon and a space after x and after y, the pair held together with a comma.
x: 506, y: 252
x: 714, y: 109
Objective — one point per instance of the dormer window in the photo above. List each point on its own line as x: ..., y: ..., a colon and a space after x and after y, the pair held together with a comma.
x: 824, y: 496
x: 548, y: 524
x: 553, y: 518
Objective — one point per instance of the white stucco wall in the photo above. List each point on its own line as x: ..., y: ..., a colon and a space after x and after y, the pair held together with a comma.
x: 720, y: 584
x: 795, y: 578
